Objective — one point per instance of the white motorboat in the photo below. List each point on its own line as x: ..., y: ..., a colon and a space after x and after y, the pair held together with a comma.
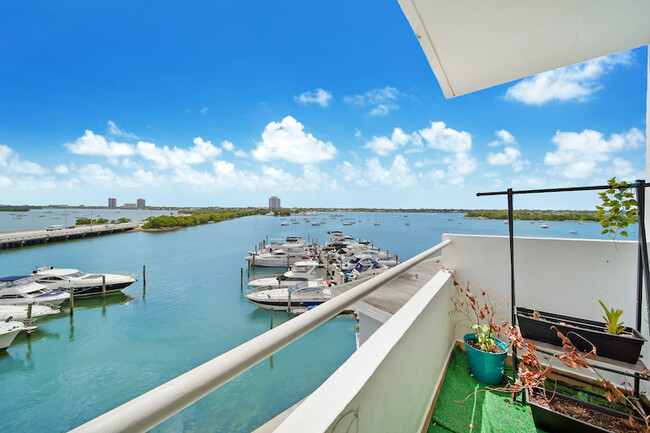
x: 303, y: 295
x: 21, y: 312
x: 9, y: 330
x: 277, y: 258
x: 304, y: 270
x: 22, y: 289
x: 82, y: 283
x: 290, y: 243
x: 543, y: 226
x: 284, y: 223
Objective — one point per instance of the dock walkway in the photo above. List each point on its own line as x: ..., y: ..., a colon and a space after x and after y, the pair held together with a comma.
x: 42, y: 236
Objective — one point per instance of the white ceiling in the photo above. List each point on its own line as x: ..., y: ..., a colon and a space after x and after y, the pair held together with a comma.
x: 475, y: 44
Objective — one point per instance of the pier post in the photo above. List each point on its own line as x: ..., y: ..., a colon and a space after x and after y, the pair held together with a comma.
x: 396, y: 259
x: 104, y: 286
x: 29, y: 316
x: 241, y: 280
x: 289, y: 301
x: 144, y: 275
x: 71, y: 302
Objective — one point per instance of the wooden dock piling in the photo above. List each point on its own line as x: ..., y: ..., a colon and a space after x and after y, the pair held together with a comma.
x: 144, y: 275
x: 104, y: 286
x: 241, y: 280
x: 71, y: 302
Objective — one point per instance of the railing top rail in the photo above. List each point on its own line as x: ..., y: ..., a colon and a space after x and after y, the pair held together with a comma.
x: 150, y: 409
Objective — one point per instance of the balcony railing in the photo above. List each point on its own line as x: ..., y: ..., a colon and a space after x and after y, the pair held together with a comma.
x: 159, y: 404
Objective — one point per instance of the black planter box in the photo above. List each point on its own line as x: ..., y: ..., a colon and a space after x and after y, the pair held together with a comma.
x: 626, y: 348
x: 555, y: 422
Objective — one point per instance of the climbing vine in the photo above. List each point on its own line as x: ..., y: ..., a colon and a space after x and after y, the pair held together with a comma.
x: 618, y: 208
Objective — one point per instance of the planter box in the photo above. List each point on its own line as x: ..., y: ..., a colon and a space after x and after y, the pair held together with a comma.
x: 551, y: 421
x: 626, y: 348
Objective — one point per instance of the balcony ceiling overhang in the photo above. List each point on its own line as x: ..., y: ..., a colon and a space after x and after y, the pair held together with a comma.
x: 475, y: 44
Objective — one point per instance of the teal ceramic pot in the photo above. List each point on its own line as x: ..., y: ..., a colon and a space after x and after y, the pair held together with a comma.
x: 486, y: 367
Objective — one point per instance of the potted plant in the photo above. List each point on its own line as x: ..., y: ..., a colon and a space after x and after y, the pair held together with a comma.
x: 611, y: 411
x: 611, y: 339
x: 486, y: 353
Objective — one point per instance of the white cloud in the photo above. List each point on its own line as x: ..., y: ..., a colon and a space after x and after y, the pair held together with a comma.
x: 61, y: 169
x: 91, y: 144
x: 384, y: 146
x: 287, y: 141
x: 580, y: 155
x: 357, y: 133
x: 204, y: 110
x: 165, y: 158
x: 10, y: 163
x: 438, y: 136
x: 572, y: 83
x: 227, y: 145
x: 317, y: 96
x: 397, y: 176
x: 241, y: 154
x: 116, y: 131
x: 510, y: 155
x: 381, y: 101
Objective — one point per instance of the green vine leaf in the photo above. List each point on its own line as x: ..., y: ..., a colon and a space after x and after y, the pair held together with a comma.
x: 618, y: 208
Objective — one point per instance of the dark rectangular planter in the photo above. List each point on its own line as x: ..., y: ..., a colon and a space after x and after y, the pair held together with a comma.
x: 626, y: 348
x: 555, y: 422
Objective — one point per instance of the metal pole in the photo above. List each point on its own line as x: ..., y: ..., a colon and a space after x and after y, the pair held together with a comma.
x: 71, y: 302
x: 241, y: 280
x: 144, y: 275
x: 513, y: 316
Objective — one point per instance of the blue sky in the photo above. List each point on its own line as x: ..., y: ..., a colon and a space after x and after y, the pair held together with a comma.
x: 323, y: 104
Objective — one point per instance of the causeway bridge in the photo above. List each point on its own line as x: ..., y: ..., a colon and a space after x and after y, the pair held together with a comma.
x: 24, y: 238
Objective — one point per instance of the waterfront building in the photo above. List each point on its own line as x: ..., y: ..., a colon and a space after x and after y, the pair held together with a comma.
x: 129, y: 206
x: 393, y: 381
x: 112, y: 203
x: 141, y: 203
x: 274, y: 203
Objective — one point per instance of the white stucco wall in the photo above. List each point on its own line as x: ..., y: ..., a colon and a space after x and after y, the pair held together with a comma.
x: 389, y: 383
x: 564, y: 276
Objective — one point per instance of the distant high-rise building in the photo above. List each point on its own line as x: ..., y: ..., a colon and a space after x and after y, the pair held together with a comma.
x: 141, y: 203
x: 129, y: 206
x: 274, y: 203
x: 112, y: 203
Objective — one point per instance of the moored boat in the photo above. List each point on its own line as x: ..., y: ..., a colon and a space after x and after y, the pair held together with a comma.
x: 22, y: 290
x: 303, y: 295
x: 9, y: 330
x: 81, y: 283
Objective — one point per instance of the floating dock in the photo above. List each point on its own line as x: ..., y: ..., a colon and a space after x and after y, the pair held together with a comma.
x: 43, y: 236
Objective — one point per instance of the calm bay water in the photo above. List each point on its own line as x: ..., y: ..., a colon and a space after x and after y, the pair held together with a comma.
x: 74, y: 369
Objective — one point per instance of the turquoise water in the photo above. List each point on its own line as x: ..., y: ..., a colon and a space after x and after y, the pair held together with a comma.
x: 74, y: 369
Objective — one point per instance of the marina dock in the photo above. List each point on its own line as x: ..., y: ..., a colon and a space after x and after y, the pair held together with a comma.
x: 24, y: 238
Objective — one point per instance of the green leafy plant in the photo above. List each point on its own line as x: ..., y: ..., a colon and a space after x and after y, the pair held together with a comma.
x: 485, y: 337
x: 611, y: 319
x: 618, y: 208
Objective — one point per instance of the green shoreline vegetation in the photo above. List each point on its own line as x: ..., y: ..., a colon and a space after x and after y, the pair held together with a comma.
x: 86, y: 221
x: 533, y: 215
x: 198, y: 217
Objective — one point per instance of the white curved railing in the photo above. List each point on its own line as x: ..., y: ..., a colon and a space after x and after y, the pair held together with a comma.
x: 155, y: 406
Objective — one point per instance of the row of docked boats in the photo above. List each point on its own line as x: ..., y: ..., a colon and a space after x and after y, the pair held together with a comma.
x: 26, y: 298
x: 313, y: 270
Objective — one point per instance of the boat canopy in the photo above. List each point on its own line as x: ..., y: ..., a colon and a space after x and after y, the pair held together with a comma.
x: 13, y: 278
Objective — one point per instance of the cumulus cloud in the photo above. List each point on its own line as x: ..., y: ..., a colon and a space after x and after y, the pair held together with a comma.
x: 204, y: 110
x: 384, y: 146
x: 286, y: 140
x: 380, y: 101
x: 579, y: 155
x: 61, y: 169
x: 227, y: 145
x: 116, y: 131
x: 397, y: 176
x: 438, y: 136
x: 92, y: 144
x: 572, y: 83
x: 166, y: 158
x: 10, y: 163
x: 510, y: 155
x: 318, y: 96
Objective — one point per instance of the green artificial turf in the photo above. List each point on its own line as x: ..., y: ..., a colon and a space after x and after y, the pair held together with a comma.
x: 484, y: 411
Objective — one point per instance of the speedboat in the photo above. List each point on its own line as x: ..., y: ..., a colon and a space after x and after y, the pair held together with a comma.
x: 82, y: 283
x: 304, y: 270
x: 284, y: 223
x: 303, y: 295
x: 22, y: 289
x: 277, y: 258
x: 21, y: 312
x: 543, y: 226
x: 9, y: 330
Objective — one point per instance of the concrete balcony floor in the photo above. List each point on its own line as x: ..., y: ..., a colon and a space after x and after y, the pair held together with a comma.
x: 484, y: 411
